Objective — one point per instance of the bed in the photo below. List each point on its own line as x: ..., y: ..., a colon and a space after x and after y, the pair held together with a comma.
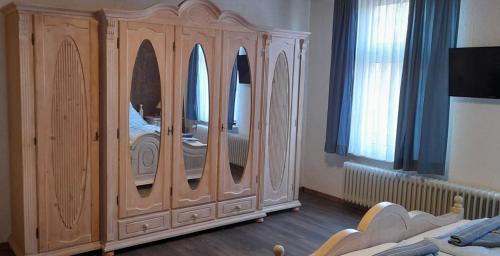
x: 386, y: 226
x: 144, y: 140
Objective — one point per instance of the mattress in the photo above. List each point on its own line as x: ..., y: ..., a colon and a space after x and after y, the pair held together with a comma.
x: 137, y: 132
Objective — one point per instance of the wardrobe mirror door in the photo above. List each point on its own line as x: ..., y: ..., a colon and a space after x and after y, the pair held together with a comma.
x: 196, y: 117
x: 144, y: 118
x: 279, y: 121
x: 238, y: 116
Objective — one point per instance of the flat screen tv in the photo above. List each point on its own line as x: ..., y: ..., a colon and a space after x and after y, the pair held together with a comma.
x: 475, y: 72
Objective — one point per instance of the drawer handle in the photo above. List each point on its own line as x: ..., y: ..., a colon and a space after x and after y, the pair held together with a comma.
x: 237, y: 208
x: 145, y: 227
x: 194, y: 216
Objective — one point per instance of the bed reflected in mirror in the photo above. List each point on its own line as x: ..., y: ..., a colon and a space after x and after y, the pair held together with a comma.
x: 239, y: 115
x: 196, y: 117
x: 145, y: 119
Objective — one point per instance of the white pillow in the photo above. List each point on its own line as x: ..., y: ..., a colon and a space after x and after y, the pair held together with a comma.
x: 435, y: 232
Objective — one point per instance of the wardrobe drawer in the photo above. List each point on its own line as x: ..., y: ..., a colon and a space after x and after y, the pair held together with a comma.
x: 236, y: 206
x: 191, y: 215
x: 144, y: 224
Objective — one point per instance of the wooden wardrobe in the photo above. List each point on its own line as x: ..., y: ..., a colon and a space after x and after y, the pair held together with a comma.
x: 129, y: 127
x: 53, y: 91
x: 282, y: 118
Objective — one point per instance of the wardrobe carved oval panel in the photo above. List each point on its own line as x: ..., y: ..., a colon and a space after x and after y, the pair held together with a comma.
x: 69, y: 128
x: 279, y: 122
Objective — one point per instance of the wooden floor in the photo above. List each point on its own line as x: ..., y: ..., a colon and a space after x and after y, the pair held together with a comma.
x: 300, y: 232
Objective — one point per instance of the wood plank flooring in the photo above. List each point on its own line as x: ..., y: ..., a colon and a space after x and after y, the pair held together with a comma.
x: 300, y: 232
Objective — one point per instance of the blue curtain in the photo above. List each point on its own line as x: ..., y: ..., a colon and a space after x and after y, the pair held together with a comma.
x: 232, y: 97
x: 424, y: 102
x: 192, y: 83
x: 345, y: 16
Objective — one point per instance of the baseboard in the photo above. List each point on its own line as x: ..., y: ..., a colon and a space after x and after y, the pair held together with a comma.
x: 322, y: 195
x: 282, y: 206
x: 332, y: 198
x: 14, y: 247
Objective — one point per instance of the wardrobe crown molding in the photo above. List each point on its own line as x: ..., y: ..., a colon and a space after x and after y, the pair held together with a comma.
x: 290, y: 33
x: 24, y: 8
x: 179, y: 13
x: 185, y: 11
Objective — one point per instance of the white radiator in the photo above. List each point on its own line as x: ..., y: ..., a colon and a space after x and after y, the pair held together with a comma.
x: 237, y: 145
x: 367, y: 186
x: 238, y: 149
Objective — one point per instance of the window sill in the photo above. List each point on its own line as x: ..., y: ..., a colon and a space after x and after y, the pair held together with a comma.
x: 389, y: 166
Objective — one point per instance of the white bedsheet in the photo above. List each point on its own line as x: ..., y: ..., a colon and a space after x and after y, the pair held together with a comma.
x: 372, y: 250
x: 443, y: 254
x: 445, y: 247
x: 448, y: 249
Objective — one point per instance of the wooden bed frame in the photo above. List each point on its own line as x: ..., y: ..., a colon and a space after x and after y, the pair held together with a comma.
x: 391, y: 220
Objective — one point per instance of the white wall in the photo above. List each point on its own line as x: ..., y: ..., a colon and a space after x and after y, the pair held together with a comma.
x: 474, y: 137
x: 474, y: 140
x: 285, y: 14
x: 320, y: 171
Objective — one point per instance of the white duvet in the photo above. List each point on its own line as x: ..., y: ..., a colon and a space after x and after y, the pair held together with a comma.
x: 372, y: 250
x: 448, y: 249
x: 138, y: 127
x: 445, y: 248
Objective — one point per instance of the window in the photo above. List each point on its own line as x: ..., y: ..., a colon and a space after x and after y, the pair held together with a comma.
x: 242, y: 107
x: 381, y: 38
x: 202, y: 88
